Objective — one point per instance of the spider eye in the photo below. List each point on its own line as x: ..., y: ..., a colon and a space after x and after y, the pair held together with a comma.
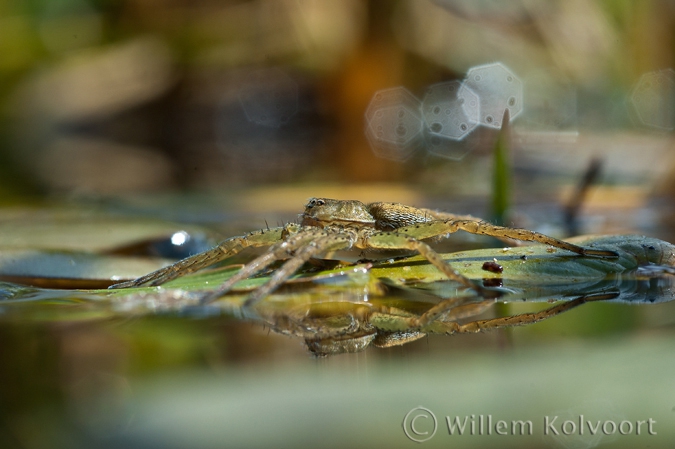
x: 315, y: 202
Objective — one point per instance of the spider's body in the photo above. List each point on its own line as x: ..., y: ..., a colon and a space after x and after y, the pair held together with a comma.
x: 330, y: 225
x: 324, y: 212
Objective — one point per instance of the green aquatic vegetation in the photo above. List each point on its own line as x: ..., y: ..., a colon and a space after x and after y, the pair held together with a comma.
x: 501, y: 173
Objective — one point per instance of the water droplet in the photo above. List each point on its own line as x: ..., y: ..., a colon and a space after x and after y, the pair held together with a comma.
x: 509, y: 78
x: 401, y: 130
x: 437, y: 110
x: 512, y: 101
x: 463, y: 127
x: 489, y: 119
x: 436, y: 127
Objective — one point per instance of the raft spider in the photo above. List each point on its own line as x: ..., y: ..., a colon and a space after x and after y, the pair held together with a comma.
x: 329, y: 225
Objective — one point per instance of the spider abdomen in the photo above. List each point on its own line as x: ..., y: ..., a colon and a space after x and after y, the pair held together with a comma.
x: 390, y: 216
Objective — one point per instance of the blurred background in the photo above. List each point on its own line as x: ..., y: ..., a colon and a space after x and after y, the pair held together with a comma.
x: 235, y: 112
x: 105, y: 98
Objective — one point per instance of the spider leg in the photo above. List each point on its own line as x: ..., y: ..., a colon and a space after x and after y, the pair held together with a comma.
x: 452, y: 309
x: 508, y: 321
x: 282, y: 250
x: 481, y: 227
x: 385, y: 240
x: 438, y: 215
x: 436, y: 228
x: 223, y: 250
x: 331, y: 242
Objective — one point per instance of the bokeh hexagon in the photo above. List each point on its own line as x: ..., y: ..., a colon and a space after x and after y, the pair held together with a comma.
x: 394, y: 123
x: 498, y: 89
x: 450, y: 110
